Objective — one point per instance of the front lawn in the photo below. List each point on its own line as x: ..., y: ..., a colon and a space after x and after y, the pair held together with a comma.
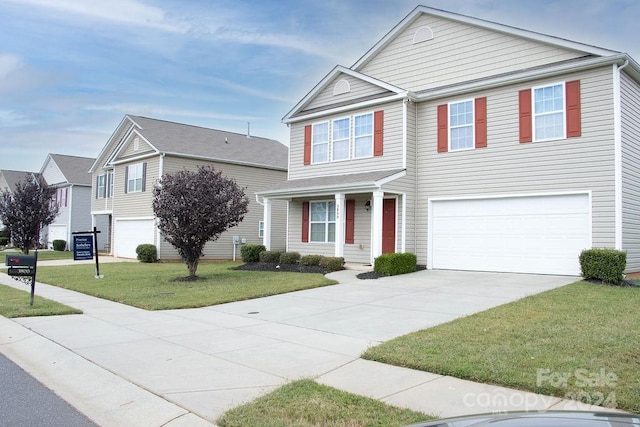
x: 43, y: 255
x: 153, y: 286
x: 15, y: 303
x: 581, y: 340
x: 305, y: 403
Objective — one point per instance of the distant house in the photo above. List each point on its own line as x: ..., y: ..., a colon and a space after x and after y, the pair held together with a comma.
x: 474, y: 145
x: 9, y: 179
x: 142, y: 149
x: 69, y: 175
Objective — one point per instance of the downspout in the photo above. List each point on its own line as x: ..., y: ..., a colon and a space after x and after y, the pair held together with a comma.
x: 415, y: 193
x: 617, y: 132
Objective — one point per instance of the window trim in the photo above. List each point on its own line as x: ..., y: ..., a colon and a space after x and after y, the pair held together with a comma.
x: 326, y: 221
x: 450, y: 127
x: 136, y: 178
x: 330, y: 123
x: 332, y: 141
x: 314, y: 161
x: 260, y: 229
x: 373, y: 122
x: 535, y: 115
x: 101, y: 187
x: 110, y: 180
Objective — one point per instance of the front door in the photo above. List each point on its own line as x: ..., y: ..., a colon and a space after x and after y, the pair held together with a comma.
x: 389, y: 226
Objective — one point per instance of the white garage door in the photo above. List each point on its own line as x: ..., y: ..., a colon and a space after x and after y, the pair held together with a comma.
x: 129, y: 234
x: 57, y: 232
x: 541, y: 234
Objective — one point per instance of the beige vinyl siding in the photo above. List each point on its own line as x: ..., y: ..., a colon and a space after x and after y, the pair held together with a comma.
x: 103, y: 204
x: 458, y: 52
x: 505, y: 166
x: 630, y: 100
x: 136, y: 204
x: 391, y: 159
x: 359, y: 89
x: 129, y: 148
x: 252, y: 179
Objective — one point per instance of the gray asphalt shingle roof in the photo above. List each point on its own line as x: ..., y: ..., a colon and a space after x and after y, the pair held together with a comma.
x: 13, y: 177
x: 75, y: 169
x: 182, y: 139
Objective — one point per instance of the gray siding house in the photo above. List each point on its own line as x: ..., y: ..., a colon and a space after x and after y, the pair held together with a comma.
x: 142, y: 149
x: 69, y: 175
x: 474, y: 145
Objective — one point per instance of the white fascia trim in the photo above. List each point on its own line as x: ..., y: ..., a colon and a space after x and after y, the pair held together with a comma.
x: 349, y: 107
x: 101, y: 212
x: 521, y: 77
x: 369, y: 79
x: 132, y: 218
x: 135, y: 159
x: 124, y: 139
x: 617, y: 141
x: 233, y: 162
x: 321, y: 191
x: 108, y: 144
x: 388, y: 179
x: 511, y: 195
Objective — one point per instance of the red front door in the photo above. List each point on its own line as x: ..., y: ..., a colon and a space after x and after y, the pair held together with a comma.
x: 388, y: 226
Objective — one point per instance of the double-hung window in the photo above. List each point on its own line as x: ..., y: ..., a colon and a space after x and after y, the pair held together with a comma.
x: 320, y: 142
x: 340, y: 139
x: 101, y: 186
x: 363, y: 136
x: 110, y: 184
x: 548, y: 112
x: 135, y: 175
x: 322, y: 221
x: 260, y: 228
x: 461, y: 125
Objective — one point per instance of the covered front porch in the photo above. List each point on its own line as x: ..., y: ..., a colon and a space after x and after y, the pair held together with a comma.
x: 353, y: 216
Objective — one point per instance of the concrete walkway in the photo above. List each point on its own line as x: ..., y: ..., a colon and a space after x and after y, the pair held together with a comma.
x: 121, y: 365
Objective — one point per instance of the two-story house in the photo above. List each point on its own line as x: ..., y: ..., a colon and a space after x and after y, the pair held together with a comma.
x: 72, y: 182
x: 474, y: 145
x: 142, y: 149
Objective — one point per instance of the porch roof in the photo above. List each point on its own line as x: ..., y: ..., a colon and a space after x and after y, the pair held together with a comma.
x: 346, y: 183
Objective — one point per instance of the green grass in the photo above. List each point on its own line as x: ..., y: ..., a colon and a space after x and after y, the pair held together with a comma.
x: 306, y: 403
x: 586, y: 332
x: 15, y: 303
x: 43, y: 255
x: 153, y: 286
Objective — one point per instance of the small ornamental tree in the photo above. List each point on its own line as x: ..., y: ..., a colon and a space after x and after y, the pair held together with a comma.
x: 194, y: 207
x: 26, y: 210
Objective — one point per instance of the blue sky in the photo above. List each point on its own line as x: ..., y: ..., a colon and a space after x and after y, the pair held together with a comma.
x: 71, y: 69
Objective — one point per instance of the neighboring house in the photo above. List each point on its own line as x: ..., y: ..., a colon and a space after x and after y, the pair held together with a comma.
x: 474, y: 145
x: 70, y: 177
x: 142, y: 149
x: 9, y: 179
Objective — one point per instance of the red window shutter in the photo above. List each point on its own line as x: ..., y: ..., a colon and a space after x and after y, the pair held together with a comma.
x: 574, y: 127
x: 350, y: 213
x: 378, y: 132
x: 305, y: 221
x: 307, y: 145
x: 526, y: 125
x: 443, y: 128
x: 481, y: 122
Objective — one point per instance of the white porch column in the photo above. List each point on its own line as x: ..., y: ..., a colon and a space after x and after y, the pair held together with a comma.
x: 339, y: 230
x: 266, y: 233
x: 376, y: 224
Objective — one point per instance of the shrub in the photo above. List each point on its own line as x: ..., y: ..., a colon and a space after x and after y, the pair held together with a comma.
x: 393, y: 264
x: 147, y: 252
x: 251, y: 252
x: 59, y: 245
x: 289, y: 258
x: 272, y: 257
x: 331, y: 263
x: 603, y: 264
x: 310, y: 260
x: 4, y: 241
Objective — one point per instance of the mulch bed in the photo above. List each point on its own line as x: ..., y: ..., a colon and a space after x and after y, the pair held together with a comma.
x: 268, y: 266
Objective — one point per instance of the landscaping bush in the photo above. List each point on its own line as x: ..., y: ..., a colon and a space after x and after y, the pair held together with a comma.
x: 603, y: 264
x: 147, y: 252
x: 290, y: 258
x: 59, y: 245
x: 272, y: 257
x: 393, y: 264
x: 251, y: 252
x: 310, y: 260
x: 331, y: 263
x: 4, y: 241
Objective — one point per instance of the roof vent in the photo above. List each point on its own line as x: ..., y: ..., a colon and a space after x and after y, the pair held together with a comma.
x: 422, y: 34
x: 342, y: 86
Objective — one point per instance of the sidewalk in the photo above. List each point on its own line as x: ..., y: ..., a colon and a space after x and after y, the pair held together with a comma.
x: 121, y: 365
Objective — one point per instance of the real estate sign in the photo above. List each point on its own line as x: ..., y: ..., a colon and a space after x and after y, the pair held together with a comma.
x: 82, y: 247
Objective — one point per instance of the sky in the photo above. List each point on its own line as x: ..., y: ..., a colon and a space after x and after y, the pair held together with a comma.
x: 70, y: 70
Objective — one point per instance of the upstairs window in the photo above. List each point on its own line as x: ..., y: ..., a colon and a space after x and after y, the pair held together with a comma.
x: 548, y: 112
x: 320, y: 142
x: 110, y: 184
x: 340, y: 139
x: 135, y: 178
x: 461, y: 125
x: 101, y: 186
x: 363, y: 136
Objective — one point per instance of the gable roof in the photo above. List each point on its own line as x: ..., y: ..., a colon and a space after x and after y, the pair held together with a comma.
x: 13, y: 177
x: 183, y: 140
x: 490, y: 25
x: 75, y: 169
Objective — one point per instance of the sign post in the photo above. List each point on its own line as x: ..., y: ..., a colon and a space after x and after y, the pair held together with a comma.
x: 84, y: 247
x: 23, y: 268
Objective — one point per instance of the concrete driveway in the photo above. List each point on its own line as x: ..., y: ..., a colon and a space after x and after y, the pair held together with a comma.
x: 208, y: 360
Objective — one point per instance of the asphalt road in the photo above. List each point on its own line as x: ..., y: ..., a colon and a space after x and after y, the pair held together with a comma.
x: 26, y: 402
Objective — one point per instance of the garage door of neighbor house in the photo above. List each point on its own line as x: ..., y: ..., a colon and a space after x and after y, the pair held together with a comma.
x: 533, y: 234
x: 57, y: 232
x: 129, y: 233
